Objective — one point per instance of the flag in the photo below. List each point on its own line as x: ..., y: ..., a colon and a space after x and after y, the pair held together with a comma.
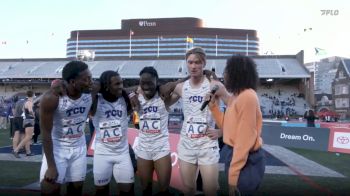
x: 189, y: 40
x: 320, y: 51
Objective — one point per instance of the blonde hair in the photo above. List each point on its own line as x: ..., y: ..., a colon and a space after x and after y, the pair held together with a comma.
x: 199, y: 52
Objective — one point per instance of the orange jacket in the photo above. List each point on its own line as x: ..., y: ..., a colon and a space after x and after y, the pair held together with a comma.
x: 241, y: 125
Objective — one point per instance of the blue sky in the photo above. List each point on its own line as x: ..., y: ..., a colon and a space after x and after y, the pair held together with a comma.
x: 47, y: 24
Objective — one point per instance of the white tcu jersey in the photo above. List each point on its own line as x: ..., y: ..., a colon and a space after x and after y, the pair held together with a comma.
x: 153, y: 134
x: 111, y: 126
x: 196, y: 122
x: 69, y: 121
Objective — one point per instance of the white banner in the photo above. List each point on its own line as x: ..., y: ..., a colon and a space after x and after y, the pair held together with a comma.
x: 341, y: 140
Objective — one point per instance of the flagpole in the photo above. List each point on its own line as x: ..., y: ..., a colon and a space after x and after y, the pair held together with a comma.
x: 247, y: 46
x: 130, y: 43
x: 77, y: 46
x: 216, y: 46
x: 158, y: 47
x: 186, y: 43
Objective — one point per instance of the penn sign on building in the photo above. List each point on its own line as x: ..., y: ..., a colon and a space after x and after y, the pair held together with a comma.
x: 162, y: 38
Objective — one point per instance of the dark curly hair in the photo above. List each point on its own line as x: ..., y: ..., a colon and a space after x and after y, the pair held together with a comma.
x: 150, y: 70
x: 72, y: 70
x: 240, y: 74
x: 105, y: 80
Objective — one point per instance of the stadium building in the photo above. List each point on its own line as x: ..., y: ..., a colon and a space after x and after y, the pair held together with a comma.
x: 161, y: 38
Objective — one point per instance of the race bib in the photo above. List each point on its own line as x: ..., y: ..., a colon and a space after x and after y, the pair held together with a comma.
x: 110, y: 131
x: 73, y: 128
x: 196, y: 127
x: 150, y: 123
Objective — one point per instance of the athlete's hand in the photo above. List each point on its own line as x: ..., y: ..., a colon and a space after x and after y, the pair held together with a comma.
x: 213, y: 134
x: 134, y: 101
x: 165, y: 90
x: 58, y: 87
x: 51, y: 175
x: 210, y: 75
x: 233, y: 191
x: 211, y: 98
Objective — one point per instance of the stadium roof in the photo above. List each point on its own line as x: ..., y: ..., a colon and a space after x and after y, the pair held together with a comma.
x: 347, y: 65
x: 277, y: 66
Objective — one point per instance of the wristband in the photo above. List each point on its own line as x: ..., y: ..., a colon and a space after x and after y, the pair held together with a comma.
x: 131, y: 95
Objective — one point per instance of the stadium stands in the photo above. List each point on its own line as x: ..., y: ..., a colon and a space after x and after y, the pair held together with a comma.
x: 269, y: 67
x: 281, y: 101
x: 18, y: 72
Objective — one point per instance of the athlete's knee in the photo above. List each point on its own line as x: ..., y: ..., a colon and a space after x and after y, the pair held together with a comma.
x: 189, y: 189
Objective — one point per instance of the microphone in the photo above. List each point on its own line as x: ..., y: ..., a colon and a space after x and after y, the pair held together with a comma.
x: 213, y: 91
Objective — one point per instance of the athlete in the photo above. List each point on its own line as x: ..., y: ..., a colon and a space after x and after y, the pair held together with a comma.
x: 153, y: 148
x: 198, y: 145
x: 111, y: 154
x: 28, y: 124
x: 62, y: 121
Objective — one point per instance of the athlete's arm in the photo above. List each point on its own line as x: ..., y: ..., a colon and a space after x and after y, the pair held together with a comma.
x: 214, y: 134
x: 175, y: 95
x: 210, y: 75
x: 48, y: 105
x: 167, y: 89
x: 221, y: 93
x: 29, y: 106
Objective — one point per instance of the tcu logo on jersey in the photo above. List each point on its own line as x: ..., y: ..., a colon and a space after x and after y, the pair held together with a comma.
x: 78, y: 110
x: 196, y: 99
x: 150, y: 109
x: 114, y: 113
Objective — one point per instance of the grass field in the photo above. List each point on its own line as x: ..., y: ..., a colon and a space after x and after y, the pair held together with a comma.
x: 14, y: 174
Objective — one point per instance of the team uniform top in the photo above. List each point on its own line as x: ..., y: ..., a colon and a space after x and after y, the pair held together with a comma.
x: 153, y: 134
x: 111, y: 125
x: 193, y: 132
x: 69, y: 121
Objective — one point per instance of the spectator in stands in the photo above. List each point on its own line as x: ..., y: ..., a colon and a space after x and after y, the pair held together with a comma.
x: 28, y: 124
x: 310, y: 118
x: 242, y: 126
